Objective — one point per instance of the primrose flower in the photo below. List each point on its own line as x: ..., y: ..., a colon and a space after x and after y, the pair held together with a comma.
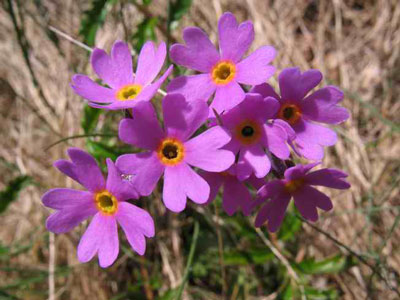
x: 171, y: 151
x: 236, y: 194
x: 251, y: 134
x: 298, y: 184
x: 105, y: 201
x: 302, y: 112
x: 221, y: 72
x: 125, y: 89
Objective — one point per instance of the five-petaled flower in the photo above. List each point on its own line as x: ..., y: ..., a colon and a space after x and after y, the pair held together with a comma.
x: 125, y: 88
x: 298, y: 184
x: 171, y: 151
x: 302, y: 112
x: 105, y: 201
x: 221, y: 72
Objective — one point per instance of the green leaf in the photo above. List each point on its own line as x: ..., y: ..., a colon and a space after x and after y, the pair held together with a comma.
x: 90, y: 117
x: 93, y: 19
x: 291, y: 224
x: 293, y: 292
x: 177, y: 9
x: 255, y: 256
x: 330, y: 265
x: 145, y: 31
x: 11, y: 192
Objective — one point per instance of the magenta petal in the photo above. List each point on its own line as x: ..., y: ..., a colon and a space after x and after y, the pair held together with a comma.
x: 294, y: 86
x: 258, y: 160
x: 183, y: 118
x: 214, y: 180
x: 270, y: 189
x: 234, y: 39
x: 181, y: 181
x: 199, y: 53
x: 150, y: 62
x: 273, y: 212
x: 193, y: 87
x: 109, y: 246
x: 122, y: 61
x: 236, y: 195
x: 144, y: 169
x: 306, y: 200
x: 299, y: 171
x: 255, y: 69
x: 143, y: 130
x: 105, y: 69
x: 203, y: 151
x: 68, y: 218
x: 321, y: 106
x: 63, y: 198
x: 136, y: 224
x: 265, y: 90
x: 275, y: 140
x: 328, y: 177
x: 88, y: 89
x: 227, y: 97
x: 85, y: 170
x: 311, y: 137
x: 243, y: 168
x: 91, y: 239
x: 119, y: 187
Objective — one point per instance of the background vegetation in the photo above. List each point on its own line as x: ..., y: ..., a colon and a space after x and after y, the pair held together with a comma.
x: 351, y: 253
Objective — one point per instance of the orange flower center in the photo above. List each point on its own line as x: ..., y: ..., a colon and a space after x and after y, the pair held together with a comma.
x: 171, y: 151
x: 106, y: 202
x: 293, y: 185
x: 290, y: 113
x: 248, y: 132
x: 223, y: 72
x: 128, y: 92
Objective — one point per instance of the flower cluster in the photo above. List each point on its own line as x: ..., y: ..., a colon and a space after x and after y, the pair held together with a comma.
x: 222, y: 127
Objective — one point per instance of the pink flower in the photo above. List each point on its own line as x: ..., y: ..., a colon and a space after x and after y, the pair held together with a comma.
x: 236, y: 194
x: 125, y: 88
x: 106, y: 201
x: 302, y: 112
x: 298, y: 184
x: 170, y: 151
x: 252, y: 134
x: 221, y: 72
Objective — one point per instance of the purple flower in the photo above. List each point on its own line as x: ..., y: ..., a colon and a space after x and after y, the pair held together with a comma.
x: 251, y: 134
x: 298, y: 184
x: 105, y: 200
x: 170, y: 151
x: 125, y: 88
x: 236, y: 194
x: 302, y: 112
x: 221, y: 72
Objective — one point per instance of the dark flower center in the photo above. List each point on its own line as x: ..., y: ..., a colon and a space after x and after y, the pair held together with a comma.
x: 288, y: 112
x: 170, y: 151
x: 247, y: 131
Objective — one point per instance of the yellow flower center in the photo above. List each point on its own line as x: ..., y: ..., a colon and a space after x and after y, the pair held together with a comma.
x: 129, y: 92
x: 223, y: 72
x: 171, y: 151
x: 293, y: 185
x: 248, y: 132
x: 290, y: 113
x: 106, y: 202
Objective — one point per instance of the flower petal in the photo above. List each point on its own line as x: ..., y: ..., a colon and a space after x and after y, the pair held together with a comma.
x: 136, y: 223
x: 307, y: 199
x: 68, y: 218
x: 243, y: 167
x: 275, y: 140
x: 150, y: 62
x: 227, y: 97
x: 193, y: 87
x: 203, y: 151
x: 265, y: 90
x: 183, y: 118
x: 258, y: 160
x: 299, y: 171
x: 321, y: 106
x: 255, y: 69
x: 122, y: 61
x: 109, y: 246
x: 236, y: 196
x: 273, y: 212
x: 199, y: 53
x: 105, y: 69
x: 63, y: 198
x: 234, y: 39
x: 88, y: 89
x: 214, y: 180
x: 294, y: 86
x: 91, y: 239
x: 328, y: 177
x: 144, y: 169
x: 143, y: 130
x: 117, y: 186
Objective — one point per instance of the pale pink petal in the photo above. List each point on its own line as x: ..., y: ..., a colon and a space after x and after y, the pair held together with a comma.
x: 109, y: 246
x: 91, y: 239
x: 150, y: 62
x: 122, y: 61
x: 105, y: 69
x: 88, y: 89
x: 257, y: 159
